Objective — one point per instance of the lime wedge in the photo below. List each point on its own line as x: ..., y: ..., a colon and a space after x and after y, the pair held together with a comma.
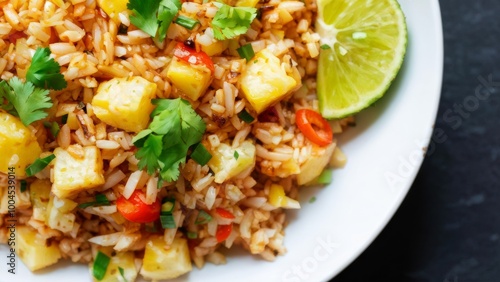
x: 363, y: 43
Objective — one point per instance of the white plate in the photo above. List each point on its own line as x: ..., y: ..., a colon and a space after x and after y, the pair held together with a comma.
x: 327, y: 235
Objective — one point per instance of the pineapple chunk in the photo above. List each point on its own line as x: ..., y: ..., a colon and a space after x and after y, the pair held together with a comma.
x: 161, y: 263
x: 247, y: 3
x: 40, y: 195
x: 59, y: 215
x: 338, y: 159
x: 264, y: 82
x: 74, y: 173
x: 215, y: 48
x: 192, y: 80
x: 124, y: 260
x: 278, y: 198
x: 113, y: 8
x: 18, y: 146
x: 125, y: 102
x: 33, y: 251
x: 313, y: 167
x: 225, y: 164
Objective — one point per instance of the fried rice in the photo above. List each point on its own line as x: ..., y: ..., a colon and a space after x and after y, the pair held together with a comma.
x: 93, y: 47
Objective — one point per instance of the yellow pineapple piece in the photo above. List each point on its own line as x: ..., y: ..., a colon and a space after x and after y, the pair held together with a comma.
x: 33, y: 250
x: 59, y: 214
x: 191, y: 80
x: 113, y: 8
x: 264, y: 82
x: 247, y: 3
x: 123, y: 260
x: 215, y: 48
x: 18, y: 146
x: 161, y: 263
x: 278, y: 198
x: 76, y: 168
x: 40, y: 195
x: 227, y: 162
x: 125, y: 103
x: 314, y: 166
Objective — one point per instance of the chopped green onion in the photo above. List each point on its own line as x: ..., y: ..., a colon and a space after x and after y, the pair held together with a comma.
x: 192, y: 235
x: 186, y: 22
x: 39, y: 165
x: 24, y: 185
x: 246, y: 52
x: 325, y: 177
x: 246, y: 117
x: 122, y: 273
x: 312, y: 200
x: 151, y: 227
x: 100, y: 266
x: 203, y: 217
x: 64, y: 119
x: 201, y: 155
x: 325, y: 47
x: 54, y: 127
x: 167, y: 206
x: 100, y: 200
x: 236, y: 155
x: 167, y: 221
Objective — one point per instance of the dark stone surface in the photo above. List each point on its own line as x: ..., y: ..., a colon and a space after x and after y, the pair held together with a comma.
x: 448, y: 227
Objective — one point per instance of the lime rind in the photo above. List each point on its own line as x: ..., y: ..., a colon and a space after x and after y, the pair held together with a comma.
x: 347, y: 85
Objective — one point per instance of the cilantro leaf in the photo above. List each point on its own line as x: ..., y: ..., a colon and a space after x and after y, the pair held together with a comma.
x: 163, y: 147
x: 44, y: 72
x: 230, y: 22
x: 149, y: 153
x: 166, y: 13
x: 24, y: 100
x: 154, y: 16
x: 144, y: 15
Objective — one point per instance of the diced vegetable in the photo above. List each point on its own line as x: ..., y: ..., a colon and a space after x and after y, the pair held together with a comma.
x: 321, y: 134
x: 313, y: 167
x: 39, y: 164
x: 123, y: 261
x: 125, y: 102
x: 18, y: 146
x: 202, y: 218
x: 225, y: 165
x: 59, y: 214
x: 40, y: 195
x: 201, y: 155
x: 264, y: 82
x: 100, y: 200
x: 223, y: 231
x: 33, y: 250
x: 136, y: 210
x: 186, y: 22
x: 278, y: 198
x: 246, y: 117
x: 246, y: 52
x: 100, y: 265
x: 161, y: 263
x: 113, y: 8
x: 77, y: 168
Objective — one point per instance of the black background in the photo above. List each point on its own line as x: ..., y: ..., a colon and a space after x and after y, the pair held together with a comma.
x: 448, y: 227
